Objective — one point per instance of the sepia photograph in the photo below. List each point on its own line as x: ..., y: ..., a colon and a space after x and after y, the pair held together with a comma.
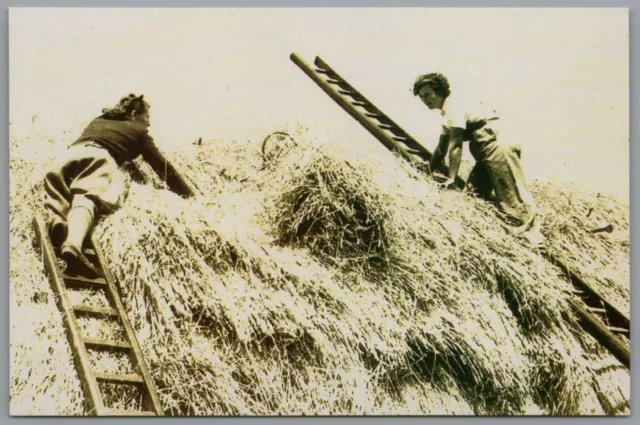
x: 319, y: 212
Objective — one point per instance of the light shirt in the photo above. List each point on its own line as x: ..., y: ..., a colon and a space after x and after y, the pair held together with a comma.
x: 479, y: 122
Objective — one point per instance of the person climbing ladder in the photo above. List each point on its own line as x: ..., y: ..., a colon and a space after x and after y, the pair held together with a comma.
x: 86, y: 181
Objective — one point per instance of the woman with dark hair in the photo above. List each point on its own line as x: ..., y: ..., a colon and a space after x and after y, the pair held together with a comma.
x: 86, y: 180
x: 497, y: 167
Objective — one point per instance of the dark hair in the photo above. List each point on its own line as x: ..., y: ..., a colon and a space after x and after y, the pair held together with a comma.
x: 127, y: 106
x: 436, y: 81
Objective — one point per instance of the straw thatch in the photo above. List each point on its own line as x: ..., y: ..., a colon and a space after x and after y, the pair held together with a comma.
x: 601, y: 258
x: 323, y: 282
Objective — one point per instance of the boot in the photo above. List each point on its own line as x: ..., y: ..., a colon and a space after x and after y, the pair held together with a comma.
x: 80, y: 222
x: 57, y: 230
x: 78, y: 263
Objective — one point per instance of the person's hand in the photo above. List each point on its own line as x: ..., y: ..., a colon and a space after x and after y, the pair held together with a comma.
x: 424, y: 167
x: 439, y: 177
x: 448, y: 184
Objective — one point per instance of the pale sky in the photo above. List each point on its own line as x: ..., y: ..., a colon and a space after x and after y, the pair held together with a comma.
x: 558, y: 77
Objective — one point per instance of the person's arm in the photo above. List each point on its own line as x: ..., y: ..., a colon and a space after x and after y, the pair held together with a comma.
x: 437, y: 159
x: 455, y: 151
x: 455, y: 157
x: 165, y: 170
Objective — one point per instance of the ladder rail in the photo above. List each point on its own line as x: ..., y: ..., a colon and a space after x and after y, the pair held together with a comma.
x: 602, y: 331
x: 619, y: 319
x: 361, y: 118
x: 604, y: 336
x: 153, y: 403
x: 410, y: 141
x: 80, y: 345
x: 93, y: 395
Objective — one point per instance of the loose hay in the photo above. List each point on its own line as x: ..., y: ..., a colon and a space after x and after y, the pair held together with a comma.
x: 603, y: 259
x: 328, y: 209
x: 322, y: 282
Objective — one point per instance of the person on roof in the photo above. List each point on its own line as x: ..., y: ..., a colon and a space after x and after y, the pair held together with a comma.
x: 497, y: 169
x: 86, y: 180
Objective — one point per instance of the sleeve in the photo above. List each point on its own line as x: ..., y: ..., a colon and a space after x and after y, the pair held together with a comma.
x: 470, y: 115
x: 478, y: 116
x: 147, y: 143
x: 165, y: 170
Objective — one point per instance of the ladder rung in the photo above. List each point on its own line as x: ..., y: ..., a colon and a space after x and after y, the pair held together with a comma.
x: 114, y: 412
x: 336, y: 82
x: 618, y: 330
x: 597, y: 310
x: 84, y: 281
x: 396, y: 130
x: 364, y: 105
x: 378, y: 117
x: 105, y: 344
x: 117, y: 378
x: 400, y: 139
x: 323, y: 71
x: 89, y: 251
x: 94, y: 311
x: 347, y: 93
x: 387, y: 127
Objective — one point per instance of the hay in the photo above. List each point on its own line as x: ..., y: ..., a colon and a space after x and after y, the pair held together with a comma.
x: 612, y: 384
x: 368, y: 215
x: 232, y: 296
x: 327, y: 208
x: 465, y: 251
x: 319, y: 282
x: 603, y: 259
x: 43, y: 379
x: 217, y: 166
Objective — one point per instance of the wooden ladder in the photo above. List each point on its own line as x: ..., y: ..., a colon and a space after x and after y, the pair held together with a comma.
x: 606, y: 323
x: 80, y: 345
x: 597, y: 316
x: 366, y: 113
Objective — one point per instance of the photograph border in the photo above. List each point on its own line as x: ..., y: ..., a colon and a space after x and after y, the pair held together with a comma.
x: 634, y: 43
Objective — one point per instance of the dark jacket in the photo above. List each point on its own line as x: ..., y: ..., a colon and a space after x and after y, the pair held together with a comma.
x: 126, y: 139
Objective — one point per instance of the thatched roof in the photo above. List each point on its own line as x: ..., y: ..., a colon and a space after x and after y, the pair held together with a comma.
x: 327, y: 282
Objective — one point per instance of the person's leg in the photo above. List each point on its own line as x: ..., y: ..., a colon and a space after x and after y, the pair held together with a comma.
x: 82, y: 182
x: 80, y: 221
x: 512, y: 193
x: 97, y: 189
x: 532, y: 231
x: 58, y: 230
x: 479, y: 182
x: 57, y: 198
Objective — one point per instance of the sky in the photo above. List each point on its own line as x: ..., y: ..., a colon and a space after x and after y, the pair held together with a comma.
x: 559, y: 78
